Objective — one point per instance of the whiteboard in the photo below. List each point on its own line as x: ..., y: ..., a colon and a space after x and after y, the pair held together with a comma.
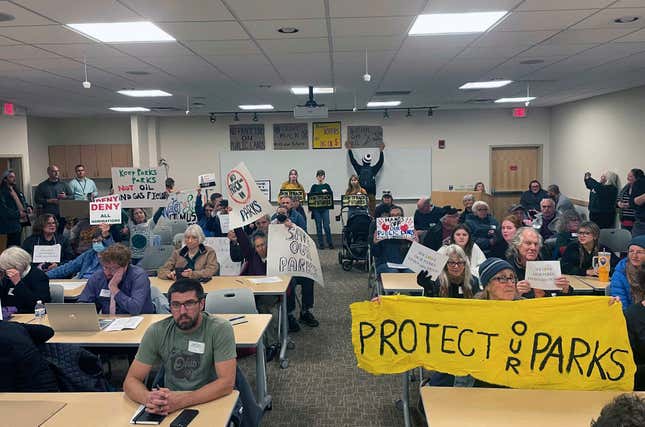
x: 406, y: 172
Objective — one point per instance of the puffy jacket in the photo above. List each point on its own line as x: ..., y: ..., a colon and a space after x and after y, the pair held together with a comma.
x: 619, y: 286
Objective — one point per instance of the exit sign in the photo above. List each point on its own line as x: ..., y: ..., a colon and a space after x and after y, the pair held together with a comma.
x: 519, y: 112
x: 8, y: 109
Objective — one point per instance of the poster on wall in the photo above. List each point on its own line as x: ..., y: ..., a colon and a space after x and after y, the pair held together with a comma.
x: 290, y: 136
x: 140, y: 187
x: 326, y: 135
x: 247, y: 137
x: 365, y: 136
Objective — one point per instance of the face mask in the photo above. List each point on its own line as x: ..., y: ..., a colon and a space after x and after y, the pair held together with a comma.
x: 281, y: 217
x: 98, y: 247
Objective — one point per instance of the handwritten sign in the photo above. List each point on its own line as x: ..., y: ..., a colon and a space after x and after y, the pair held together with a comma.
x: 244, y: 197
x: 105, y: 210
x: 573, y: 343
x: 292, y: 194
x: 140, y: 187
x: 221, y: 245
x: 320, y: 201
x: 421, y: 258
x: 47, y: 253
x: 326, y: 135
x: 397, y: 227
x: 206, y: 180
x: 224, y: 223
x: 542, y: 274
x: 247, y: 137
x: 290, y: 136
x: 365, y: 136
x: 181, y: 206
x: 357, y: 200
x: 265, y: 187
x: 292, y: 252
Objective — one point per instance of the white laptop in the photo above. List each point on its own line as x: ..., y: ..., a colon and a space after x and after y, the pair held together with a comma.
x: 75, y: 317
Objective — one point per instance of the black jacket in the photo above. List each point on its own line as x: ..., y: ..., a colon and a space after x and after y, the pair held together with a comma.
x: 367, y: 173
x: 66, y: 251
x: 31, y: 288
x: 602, y: 198
x: 531, y: 200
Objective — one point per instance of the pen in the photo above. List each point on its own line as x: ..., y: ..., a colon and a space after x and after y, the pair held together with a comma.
x: 239, y: 323
x: 233, y: 319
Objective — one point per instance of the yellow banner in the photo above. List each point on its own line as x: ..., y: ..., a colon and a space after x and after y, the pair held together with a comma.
x: 567, y: 343
x: 326, y: 135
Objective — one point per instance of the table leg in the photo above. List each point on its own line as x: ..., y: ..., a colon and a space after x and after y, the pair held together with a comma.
x: 284, y: 362
x: 406, y: 398
x: 263, y: 398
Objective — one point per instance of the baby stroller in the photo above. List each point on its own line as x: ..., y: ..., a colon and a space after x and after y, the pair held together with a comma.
x: 356, y: 223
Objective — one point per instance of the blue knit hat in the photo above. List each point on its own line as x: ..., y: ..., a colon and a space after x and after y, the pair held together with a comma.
x: 490, y: 268
x: 638, y: 241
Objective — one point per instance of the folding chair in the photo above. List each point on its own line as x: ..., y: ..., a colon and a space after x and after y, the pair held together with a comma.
x: 231, y: 301
x: 154, y: 257
x: 57, y: 293
x: 615, y: 239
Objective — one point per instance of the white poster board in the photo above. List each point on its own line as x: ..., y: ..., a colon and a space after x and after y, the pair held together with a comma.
x: 47, y: 253
x: 398, y: 227
x: 542, y: 274
x: 246, y: 200
x: 140, y: 187
x: 221, y: 245
x: 206, y: 180
x: 181, y: 206
x: 421, y: 258
x: 292, y: 252
x: 105, y: 210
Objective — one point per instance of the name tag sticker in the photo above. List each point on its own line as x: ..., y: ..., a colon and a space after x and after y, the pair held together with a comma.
x: 493, y: 227
x: 196, y: 347
x: 105, y: 293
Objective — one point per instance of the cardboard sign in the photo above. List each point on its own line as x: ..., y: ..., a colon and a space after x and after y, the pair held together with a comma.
x: 221, y: 245
x: 365, y: 136
x: 244, y: 197
x: 421, y: 258
x: 572, y: 343
x: 265, y: 187
x: 47, y: 253
x: 224, y: 223
x: 357, y: 200
x: 105, y: 210
x: 542, y: 274
x: 326, y: 135
x: 247, y: 137
x: 290, y: 136
x: 292, y: 194
x: 320, y: 201
x: 181, y: 206
x: 206, y: 180
x: 140, y: 187
x: 397, y: 227
x: 292, y: 252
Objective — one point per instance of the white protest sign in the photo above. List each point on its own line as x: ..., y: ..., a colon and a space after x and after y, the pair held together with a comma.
x: 105, y: 210
x: 140, y: 187
x: 181, y: 206
x: 421, y: 258
x: 224, y: 223
x: 542, y: 274
x: 221, y: 245
x: 398, y: 227
x: 292, y: 252
x: 244, y: 197
x: 47, y: 253
x: 206, y: 180
x: 265, y: 187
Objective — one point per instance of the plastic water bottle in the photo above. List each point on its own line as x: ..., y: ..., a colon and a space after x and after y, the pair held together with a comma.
x: 39, y: 311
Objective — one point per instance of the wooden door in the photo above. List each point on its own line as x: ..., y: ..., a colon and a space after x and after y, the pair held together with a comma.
x: 88, y: 159
x: 103, y: 160
x: 73, y: 158
x: 57, y: 157
x: 512, y: 168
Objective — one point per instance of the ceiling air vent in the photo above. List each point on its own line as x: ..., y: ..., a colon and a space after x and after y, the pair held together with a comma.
x: 393, y: 92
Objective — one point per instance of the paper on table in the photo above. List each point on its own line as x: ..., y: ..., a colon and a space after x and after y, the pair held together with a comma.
x: 542, y: 274
x: 421, y: 258
x: 397, y: 266
x: 47, y: 253
x: 268, y: 279
x: 69, y: 285
x: 124, y: 323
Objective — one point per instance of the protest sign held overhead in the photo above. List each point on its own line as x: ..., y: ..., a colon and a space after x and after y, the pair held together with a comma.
x: 246, y: 200
x: 397, y: 227
x: 206, y: 180
x: 140, y: 187
x: 181, y: 206
x: 105, y: 210
x: 573, y: 343
x: 292, y: 252
x: 421, y: 258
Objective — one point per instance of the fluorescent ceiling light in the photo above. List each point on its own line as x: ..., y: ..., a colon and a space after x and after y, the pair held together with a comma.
x: 447, y: 23
x: 256, y: 107
x: 129, y: 109
x: 145, y: 93
x: 123, y: 32
x: 383, y: 103
x: 493, y: 84
x: 520, y: 99
x: 305, y: 90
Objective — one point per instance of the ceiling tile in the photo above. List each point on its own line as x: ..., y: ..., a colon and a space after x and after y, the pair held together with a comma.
x: 369, y: 43
x: 278, y: 9
x: 586, y: 36
x: 638, y: 36
x: 352, y: 27
x: 269, y: 29
x: 80, y: 50
x: 547, y: 50
x: 459, y: 6
x: 224, y: 47
x: 253, y: 69
x: 24, y: 52
x: 490, y: 52
x: 149, y: 50
x: 23, y: 16
x: 6, y: 42
x: 513, y: 38
x: 605, y: 19
x: 629, y: 3
x: 298, y: 68
x: 562, y: 5
x: 363, y: 8
x: 43, y: 34
x: 184, y: 10
x: 73, y: 11
x: 314, y: 45
x: 553, y: 20
x: 212, y: 30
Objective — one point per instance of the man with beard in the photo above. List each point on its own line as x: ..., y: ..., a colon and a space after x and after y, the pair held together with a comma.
x: 196, y: 350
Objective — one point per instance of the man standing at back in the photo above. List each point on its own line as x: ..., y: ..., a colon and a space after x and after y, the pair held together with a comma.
x: 367, y: 173
x: 196, y: 350
x: 83, y: 188
x: 50, y: 192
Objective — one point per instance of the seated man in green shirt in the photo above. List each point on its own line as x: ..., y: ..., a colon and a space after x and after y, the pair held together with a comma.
x: 196, y: 350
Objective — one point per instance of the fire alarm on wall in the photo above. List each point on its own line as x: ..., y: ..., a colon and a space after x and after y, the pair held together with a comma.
x: 442, y: 144
x: 519, y: 112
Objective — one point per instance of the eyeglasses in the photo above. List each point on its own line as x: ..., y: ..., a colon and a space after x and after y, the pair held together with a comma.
x: 508, y: 279
x: 482, y: 209
x: 111, y: 270
x: 188, y: 305
x: 637, y: 252
x: 455, y: 263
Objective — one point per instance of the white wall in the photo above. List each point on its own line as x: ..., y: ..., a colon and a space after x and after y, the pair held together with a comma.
x: 597, y: 134
x: 14, y: 143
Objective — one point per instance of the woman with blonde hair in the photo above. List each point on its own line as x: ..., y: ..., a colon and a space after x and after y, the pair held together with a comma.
x: 455, y: 280
x: 194, y: 261
x: 354, y: 186
x: 602, y: 198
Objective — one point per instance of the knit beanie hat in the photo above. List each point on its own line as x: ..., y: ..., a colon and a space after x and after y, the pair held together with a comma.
x: 490, y: 268
x: 367, y: 159
x: 638, y: 241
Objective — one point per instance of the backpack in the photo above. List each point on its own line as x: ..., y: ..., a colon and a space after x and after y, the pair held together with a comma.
x: 76, y: 369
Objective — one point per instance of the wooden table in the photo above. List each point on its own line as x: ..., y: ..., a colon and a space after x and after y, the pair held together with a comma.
x: 578, y: 284
x: 400, y: 283
x: 71, y: 292
x: 487, y: 407
x: 107, y: 409
x: 247, y: 335
x: 596, y: 284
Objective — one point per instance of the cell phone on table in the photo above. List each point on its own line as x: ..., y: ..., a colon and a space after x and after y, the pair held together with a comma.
x: 178, y: 272
x: 184, y: 418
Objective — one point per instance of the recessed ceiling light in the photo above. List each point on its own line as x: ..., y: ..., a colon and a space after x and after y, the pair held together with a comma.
x: 288, y: 30
x: 509, y: 100
x: 5, y: 17
x: 138, y: 73
x: 305, y: 90
x: 532, y: 61
x: 626, y: 19
x: 492, y: 84
x: 384, y: 103
x: 144, y: 93
x: 123, y: 32
x: 448, y: 23
x: 256, y: 107
x: 129, y: 109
